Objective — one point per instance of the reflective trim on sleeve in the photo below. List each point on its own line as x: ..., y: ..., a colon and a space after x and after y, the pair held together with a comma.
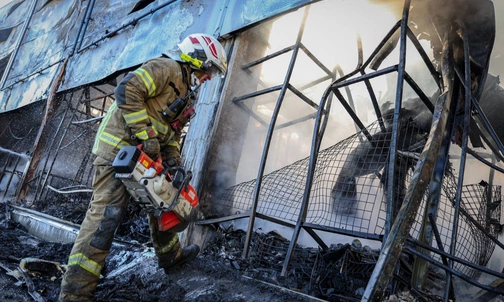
x: 84, y: 262
x: 169, y: 142
x: 160, y: 127
x: 147, y: 79
x: 175, y: 144
x: 135, y: 117
x: 103, y: 124
x: 165, y: 249
x: 112, y: 140
x: 144, y: 135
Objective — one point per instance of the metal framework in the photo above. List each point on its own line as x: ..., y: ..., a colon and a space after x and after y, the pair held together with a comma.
x: 86, y: 105
x: 64, y: 151
x: 433, y: 161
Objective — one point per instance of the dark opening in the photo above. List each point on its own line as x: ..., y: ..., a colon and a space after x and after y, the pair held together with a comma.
x: 141, y: 5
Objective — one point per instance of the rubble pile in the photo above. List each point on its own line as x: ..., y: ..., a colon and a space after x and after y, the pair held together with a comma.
x: 32, y: 269
x: 131, y: 272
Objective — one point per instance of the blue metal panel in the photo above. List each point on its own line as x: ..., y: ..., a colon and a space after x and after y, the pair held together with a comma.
x: 11, y: 16
x: 113, y: 39
x: 240, y: 14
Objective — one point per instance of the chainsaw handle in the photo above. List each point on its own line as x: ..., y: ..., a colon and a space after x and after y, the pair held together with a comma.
x: 157, y: 163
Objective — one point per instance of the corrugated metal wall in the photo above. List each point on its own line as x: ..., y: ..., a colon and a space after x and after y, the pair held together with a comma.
x: 103, y: 37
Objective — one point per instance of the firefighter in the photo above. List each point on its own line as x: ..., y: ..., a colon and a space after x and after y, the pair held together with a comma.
x: 141, y: 114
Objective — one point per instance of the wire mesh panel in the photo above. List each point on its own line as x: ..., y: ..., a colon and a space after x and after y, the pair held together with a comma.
x: 349, y: 192
x: 477, y: 208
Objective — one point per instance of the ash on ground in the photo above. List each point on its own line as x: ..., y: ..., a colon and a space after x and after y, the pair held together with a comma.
x: 219, y: 273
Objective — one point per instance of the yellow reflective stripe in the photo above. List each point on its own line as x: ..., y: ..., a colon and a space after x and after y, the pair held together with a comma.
x: 175, y: 144
x: 142, y: 135
x: 168, y: 142
x: 103, y: 125
x: 135, y: 117
x: 147, y: 79
x: 84, y: 262
x: 169, y: 246
x: 158, y: 126
x: 112, y: 140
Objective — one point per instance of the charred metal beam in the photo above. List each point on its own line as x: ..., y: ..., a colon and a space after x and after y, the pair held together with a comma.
x: 257, y: 93
x: 343, y: 231
x: 439, y: 242
x: 318, y: 131
x: 302, y: 96
x: 269, y: 135
x: 401, y: 71
x: 467, y: 115
x: 275, y: 220
x: 88, y: 120
x: 51, y: 105
x: 10, y: 177
x: 481, y: 228
x: 394, y: 243
x: 435, y: 75
x: 222, y: 219
x: 374, y: 53
x: 252, y: 114
x: 39, y: 187
x: 485, y: 296
x: 316, y: 237
x: 298, y: 120
x: 484, y: 161
x: 87, y: 100
x: 421, y: 267
x: 425, y: 99
x: 317, y: 81
x: 354, y: 116
x: 315, y: 60
x: 456, y: 273
x: 367, y: 76
x: 457, y: 259
x: 374, y: 101
x: 84, y: 24
x: 271, y: 56
x: 481, y: 115
x: 488, y: 196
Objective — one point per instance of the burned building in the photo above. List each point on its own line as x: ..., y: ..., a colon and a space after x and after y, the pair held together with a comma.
x: 337, y: 120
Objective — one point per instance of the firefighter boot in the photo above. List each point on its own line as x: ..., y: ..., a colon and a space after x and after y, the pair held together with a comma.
x: 170, y: 261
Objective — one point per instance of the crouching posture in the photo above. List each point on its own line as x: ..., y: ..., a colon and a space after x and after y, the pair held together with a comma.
x: 147, y: 111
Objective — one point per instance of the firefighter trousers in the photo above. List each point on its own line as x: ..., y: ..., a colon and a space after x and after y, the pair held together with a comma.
x: 93, y: 243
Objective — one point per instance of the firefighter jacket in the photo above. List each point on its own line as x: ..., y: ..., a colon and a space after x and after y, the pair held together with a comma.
x: 140, y: 109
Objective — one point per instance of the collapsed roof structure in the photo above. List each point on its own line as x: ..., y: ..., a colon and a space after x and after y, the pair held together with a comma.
x: 393, y: 182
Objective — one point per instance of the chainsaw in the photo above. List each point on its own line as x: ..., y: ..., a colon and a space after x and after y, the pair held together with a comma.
x: 159, y: 190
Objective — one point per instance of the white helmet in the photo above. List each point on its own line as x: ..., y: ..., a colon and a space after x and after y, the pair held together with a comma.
x: 204, y: 52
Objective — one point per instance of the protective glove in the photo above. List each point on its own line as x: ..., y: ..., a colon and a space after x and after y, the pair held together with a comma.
x: 171, y: 156
x: 172, y: 162
x: 151, y: 147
